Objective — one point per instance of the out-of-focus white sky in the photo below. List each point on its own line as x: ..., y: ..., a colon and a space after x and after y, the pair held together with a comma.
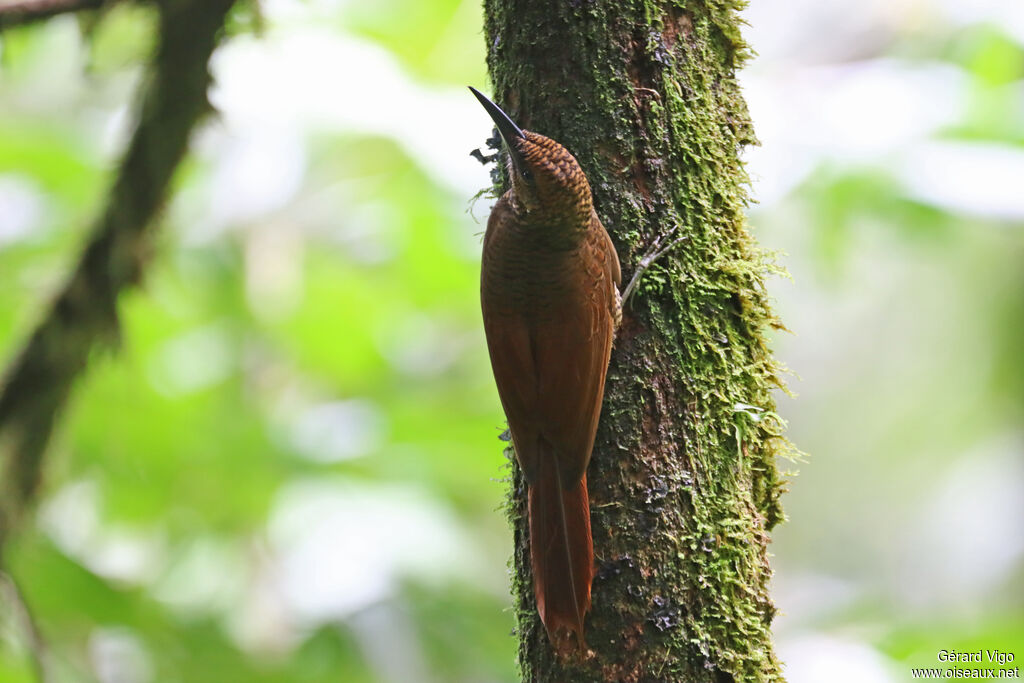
x: 934, y: 533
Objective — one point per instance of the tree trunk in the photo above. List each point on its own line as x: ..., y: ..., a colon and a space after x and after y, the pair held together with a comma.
x: 683, y: 481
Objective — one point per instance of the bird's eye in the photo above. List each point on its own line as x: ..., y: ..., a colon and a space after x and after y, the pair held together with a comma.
x: 525, y: 173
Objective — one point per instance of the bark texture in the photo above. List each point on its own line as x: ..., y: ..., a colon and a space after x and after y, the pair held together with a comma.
x: 683, y: 480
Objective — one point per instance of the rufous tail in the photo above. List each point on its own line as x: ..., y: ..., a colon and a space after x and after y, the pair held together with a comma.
x: 562, y: 553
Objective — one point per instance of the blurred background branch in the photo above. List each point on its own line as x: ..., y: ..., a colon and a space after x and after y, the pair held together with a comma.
x: 36, y: 384
x: 19, y: 13
x: 22, y: 619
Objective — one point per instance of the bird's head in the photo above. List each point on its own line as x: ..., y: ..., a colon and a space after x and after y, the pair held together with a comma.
x: 545, y: 176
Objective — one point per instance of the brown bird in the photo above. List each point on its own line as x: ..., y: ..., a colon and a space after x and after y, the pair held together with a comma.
x: 549, y: 292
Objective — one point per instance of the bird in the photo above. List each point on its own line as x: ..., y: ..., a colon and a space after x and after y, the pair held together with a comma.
x: 550, y: 301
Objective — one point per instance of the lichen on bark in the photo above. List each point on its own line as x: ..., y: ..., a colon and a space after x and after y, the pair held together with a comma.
x: 683, y: 480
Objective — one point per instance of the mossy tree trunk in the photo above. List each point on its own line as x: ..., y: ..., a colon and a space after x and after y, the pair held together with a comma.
x: 683, y: 481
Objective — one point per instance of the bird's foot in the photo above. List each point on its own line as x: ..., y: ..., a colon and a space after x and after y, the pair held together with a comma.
x: 655, y: 252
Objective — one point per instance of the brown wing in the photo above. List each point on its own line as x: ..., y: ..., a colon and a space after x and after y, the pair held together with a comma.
x: 550, y: 369
x: 614, y: 269
x: 507, y: 331
x: 572, y: 353
x: 611, y: 256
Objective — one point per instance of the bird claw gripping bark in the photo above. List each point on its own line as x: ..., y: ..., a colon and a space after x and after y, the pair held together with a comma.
x: 655, y: 252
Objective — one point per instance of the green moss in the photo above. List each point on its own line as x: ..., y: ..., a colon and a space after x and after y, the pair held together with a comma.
x: 683, y: 480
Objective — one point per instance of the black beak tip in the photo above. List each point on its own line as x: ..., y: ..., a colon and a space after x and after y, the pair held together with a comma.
x: 506, y: 126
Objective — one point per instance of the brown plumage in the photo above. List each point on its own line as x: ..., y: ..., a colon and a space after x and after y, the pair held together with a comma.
x: 549, y: 293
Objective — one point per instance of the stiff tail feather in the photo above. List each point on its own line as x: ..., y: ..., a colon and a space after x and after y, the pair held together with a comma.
x: 562, y: 554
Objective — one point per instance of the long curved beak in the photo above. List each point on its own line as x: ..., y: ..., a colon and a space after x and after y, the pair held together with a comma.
x: 506, y: 126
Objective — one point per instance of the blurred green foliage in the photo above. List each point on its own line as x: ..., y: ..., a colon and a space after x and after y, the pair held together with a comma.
x: 188, y: 430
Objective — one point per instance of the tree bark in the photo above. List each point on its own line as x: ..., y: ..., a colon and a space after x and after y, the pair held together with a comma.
x: 683, y: 481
